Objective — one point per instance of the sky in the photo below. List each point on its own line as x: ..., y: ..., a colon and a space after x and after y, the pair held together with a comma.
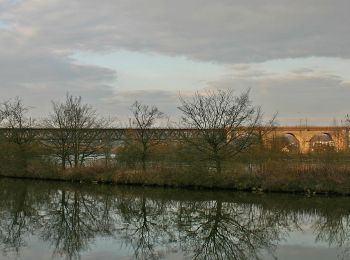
x: 294, y: 55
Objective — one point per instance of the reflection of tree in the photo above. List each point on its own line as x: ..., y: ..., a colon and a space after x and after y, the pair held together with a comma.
x: 17, y: 218
x: 218, y: 230
x: 69, y: 219
x: 334, y: 228
x: 74, y: 220
x: 150, y: 224
x: 147, y: 226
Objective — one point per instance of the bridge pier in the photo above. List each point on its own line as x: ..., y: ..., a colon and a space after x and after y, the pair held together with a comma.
x: 305, y: 146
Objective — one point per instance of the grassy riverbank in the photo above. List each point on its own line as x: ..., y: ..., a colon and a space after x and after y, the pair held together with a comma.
x: 179, y: 166
x: 272, y: 176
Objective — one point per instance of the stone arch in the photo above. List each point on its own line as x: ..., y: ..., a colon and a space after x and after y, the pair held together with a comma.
x: 287, y: 142
x: 322, y: 142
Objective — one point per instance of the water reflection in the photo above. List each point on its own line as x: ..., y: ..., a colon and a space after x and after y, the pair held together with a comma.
x: 154, y: 223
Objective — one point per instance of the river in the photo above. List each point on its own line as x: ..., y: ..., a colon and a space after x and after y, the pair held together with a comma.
x: 44, y: 220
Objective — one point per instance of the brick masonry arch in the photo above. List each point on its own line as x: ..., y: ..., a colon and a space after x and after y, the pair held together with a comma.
x: 340, y: 136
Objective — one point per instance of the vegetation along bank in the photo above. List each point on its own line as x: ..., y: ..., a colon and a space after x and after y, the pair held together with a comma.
x: 221, y: 141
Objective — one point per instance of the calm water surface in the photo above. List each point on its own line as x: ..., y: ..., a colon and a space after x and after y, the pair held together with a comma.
x: 45, y: 220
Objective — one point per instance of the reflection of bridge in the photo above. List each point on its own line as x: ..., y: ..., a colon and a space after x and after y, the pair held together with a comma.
x: 303, y: 136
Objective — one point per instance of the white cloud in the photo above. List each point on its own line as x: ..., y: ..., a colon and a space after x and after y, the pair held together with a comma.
x: 38, y: 37
x: 226, y: 31
x: 295, y: 97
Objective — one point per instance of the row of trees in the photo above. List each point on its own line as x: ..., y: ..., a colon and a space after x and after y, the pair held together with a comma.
x: 216, y: 118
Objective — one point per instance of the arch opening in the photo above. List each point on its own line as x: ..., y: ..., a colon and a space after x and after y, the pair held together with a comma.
x: 322, y: 142
x: 287, y: 143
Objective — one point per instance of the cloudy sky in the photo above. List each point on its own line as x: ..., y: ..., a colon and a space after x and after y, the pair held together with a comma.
x: 293, y: 54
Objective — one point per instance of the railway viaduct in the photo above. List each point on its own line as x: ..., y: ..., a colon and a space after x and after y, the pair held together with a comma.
x: 303, y: 136
x: 306, y: 136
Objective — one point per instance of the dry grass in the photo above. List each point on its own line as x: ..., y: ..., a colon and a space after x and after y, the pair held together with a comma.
x: 270, y: 177
x: 328, y: 173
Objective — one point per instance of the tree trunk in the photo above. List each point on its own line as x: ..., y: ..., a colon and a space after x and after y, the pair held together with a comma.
x: 144, y: 157
x: 63, y: 155
x: 63, y: 162
x: 76, y: 159
x: 143, y: 161
x: 217, y: 160
x: 218, y: 165
x: 23, y: 158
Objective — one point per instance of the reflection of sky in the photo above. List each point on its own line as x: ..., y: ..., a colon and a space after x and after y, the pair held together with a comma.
x: 35, y: 250
x: 299, y: 244
x: 101, y: 249
x: 290, y: 252
x: 304, y: 238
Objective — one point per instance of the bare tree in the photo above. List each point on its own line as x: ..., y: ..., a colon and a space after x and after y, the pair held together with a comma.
x: 18, y: 129
x: 223, y: 124
x: 144, y: 120
x: 107, y: 146
x: 76, y: 131
x: 13, y: 115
